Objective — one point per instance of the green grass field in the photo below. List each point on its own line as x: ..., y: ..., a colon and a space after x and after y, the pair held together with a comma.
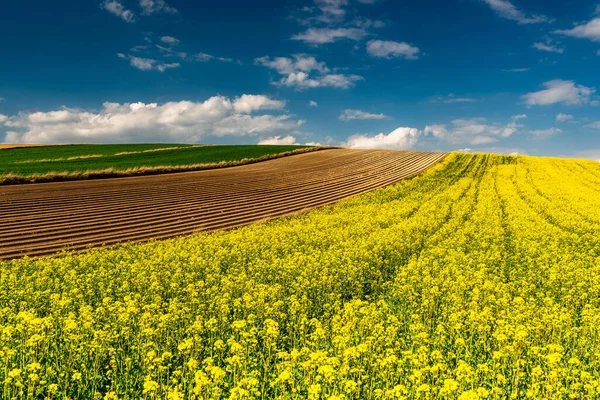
x: 73, y: 161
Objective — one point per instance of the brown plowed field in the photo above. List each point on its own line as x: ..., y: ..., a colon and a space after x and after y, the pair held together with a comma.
x: 42, y: 219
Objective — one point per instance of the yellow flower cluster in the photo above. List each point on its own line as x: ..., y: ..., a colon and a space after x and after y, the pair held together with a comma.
x: 478, y: 280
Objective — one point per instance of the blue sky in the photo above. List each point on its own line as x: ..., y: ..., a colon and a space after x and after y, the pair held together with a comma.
x: 487, y: 75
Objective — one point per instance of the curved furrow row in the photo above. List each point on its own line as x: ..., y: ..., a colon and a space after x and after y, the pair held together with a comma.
x: 158, y: 207
x: 130, y: 186
x: 205, y: 202
x: 103, y: 226
x: 183, y: 186
x: 193, y: 225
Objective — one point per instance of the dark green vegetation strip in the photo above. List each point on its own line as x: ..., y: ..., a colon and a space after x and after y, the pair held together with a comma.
x: 59, y: 163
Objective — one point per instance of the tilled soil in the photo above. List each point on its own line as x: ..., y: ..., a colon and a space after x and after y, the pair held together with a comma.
x: 43, y: 219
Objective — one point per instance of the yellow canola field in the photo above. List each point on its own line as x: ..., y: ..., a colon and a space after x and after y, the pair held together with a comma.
x: 478, y: 280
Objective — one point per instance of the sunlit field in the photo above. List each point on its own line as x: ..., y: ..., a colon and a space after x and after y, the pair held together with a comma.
x: 479, y: 279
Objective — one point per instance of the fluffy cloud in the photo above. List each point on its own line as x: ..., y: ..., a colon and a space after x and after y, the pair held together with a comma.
x: 401, y: 138
x: 332, y: 10
x: 279, y: 140
x: 563, y: 117
x: 169, y: 40
x: 302, y: 80
x: 589, y: 30
x: 548, y: 47
x: 313, y: 103
x: 559, y: 91
x: 389, y: 49
x: 317, y: 36
x: 116, y: 8
x: 156, y: 6
x: 147, y: 64
x: 299, y: 62
x: 3, y: 118
x: 474, y: 131
x: 507, y: 10
x: 249, y: 103
x: 298, y: 73
x: 183, y: 121
x: 349, y: 115
x: 544, y: 133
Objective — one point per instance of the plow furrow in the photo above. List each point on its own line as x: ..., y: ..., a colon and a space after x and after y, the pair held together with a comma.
x: 43, y: 219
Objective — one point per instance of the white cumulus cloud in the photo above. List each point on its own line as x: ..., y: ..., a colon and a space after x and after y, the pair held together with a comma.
x: 116, y: 8
x: 3, y: 118
x: 349, y: 115
x: 390, y: 49
x: 169, y: 40
x: 183, y: 121
x: 156, y: 6
x: 548, y: 47
x: 507, y: 10
x: 147, y: 64
x: 298, y: 62
x: 317, y: 36
x: 279, y: 140
x: 401, y: 138
x: 590, y: 30
x: 305, y: 72
x: 332, y: 11
x: 560, y: 91
x: 249, y: 103
x: 474, y: 131
x: 313, y: 103
x: 560, y: 117
x: 301, y: 80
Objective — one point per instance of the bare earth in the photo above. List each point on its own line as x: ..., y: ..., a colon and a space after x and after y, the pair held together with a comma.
x: 42, y: 219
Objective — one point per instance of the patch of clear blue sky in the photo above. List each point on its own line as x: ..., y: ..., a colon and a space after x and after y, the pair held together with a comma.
x: 64, y: 53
